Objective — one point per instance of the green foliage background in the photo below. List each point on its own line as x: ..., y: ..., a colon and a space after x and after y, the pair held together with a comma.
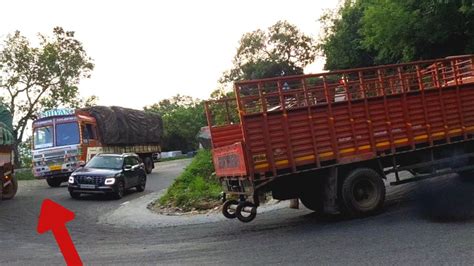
x: 370, y: 32
x: 183, y: 117
x: 195, y: 187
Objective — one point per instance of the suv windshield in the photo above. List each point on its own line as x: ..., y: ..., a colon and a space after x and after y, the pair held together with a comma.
x: 105, y: 162
x: 43, y: 137
x: 67, y: 134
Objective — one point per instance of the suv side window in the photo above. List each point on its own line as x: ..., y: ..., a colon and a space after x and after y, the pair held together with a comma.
x: 131, y: 160
x: 134, y: 161
x: 128, y: 161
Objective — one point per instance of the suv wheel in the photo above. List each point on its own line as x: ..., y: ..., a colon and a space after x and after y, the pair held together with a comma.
x: 75, y: 195
x: 120, y: 190
x: 141, y: 186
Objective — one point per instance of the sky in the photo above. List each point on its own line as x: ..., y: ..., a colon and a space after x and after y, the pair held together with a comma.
x: 146, y: 51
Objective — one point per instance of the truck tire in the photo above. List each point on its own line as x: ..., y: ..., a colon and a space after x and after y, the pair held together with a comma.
x: 54, y: 181
x: 362, y: 193
x: 313, y: 201
x: 148, y: 164
x: 248, y: 216
x: 227, y: 211
x: 10, y: 190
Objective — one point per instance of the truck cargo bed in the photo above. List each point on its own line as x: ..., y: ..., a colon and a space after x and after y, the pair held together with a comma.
x: 291, y: 123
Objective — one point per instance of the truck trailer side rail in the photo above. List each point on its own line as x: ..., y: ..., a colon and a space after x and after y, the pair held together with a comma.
x: 291, y: 123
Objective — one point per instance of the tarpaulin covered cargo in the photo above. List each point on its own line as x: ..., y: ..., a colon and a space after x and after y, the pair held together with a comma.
x: 124, y: 126
x: 6, y: 126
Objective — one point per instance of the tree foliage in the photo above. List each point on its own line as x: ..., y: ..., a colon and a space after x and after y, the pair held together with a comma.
x: 368, y: 32
x: 280, y: 50
x: 25, y: 152
x: 342, y: 41
x: 183, y: 117
x: 43, y: 76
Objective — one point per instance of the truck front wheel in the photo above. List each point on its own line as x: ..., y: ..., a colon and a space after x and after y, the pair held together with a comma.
x: 10, y: 190
x: 54, y: 181
x: 363, y: 193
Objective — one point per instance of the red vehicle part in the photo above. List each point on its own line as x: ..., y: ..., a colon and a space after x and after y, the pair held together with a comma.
x: 229, y: 160
x: 320, y: 120
x: 298, y: 134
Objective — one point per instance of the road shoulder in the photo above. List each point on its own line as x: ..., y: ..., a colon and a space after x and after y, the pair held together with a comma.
x: 135, y: 214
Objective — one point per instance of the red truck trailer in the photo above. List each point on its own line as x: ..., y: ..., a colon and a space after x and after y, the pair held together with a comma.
x: 330, y: 139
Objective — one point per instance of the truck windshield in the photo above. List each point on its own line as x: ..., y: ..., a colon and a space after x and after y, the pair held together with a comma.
x: 67, y: 134
x: 105, y: 162
x: 43, y: 137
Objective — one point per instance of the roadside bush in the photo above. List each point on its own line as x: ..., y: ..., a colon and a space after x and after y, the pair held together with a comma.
x: 195, y: 188
x: 24, y: 174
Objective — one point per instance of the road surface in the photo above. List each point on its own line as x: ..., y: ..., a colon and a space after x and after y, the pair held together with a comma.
x: 429, y: 222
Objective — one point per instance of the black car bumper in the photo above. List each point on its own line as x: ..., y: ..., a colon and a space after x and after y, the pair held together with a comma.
x: 97, y: 190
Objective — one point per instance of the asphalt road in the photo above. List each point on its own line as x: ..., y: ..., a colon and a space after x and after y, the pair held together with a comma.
x: 429, y: 222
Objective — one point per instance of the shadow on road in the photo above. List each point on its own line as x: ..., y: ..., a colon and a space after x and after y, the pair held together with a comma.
x: 451, y: 200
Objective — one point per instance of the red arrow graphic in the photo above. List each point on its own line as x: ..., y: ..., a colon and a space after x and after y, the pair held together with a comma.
x: 54, y: 217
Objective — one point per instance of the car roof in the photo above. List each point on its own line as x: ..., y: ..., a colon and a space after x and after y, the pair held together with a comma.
x: 117, y: 154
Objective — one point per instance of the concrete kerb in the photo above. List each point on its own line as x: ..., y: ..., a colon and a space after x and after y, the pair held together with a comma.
x: 136, y: 214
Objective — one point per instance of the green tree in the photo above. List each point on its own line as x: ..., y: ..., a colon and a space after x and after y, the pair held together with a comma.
x: 403, y: 31
x: 280, y: 50
x: 341, y: 41
x: 367, y: 32
x: 25, y: 153
x: 44, y: 76
x: 183, y: 117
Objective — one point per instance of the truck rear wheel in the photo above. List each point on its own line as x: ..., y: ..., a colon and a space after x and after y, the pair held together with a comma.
x: 54, y: 181
x: 363, y: 193
x: 148, y: 164
x: 10, y: 190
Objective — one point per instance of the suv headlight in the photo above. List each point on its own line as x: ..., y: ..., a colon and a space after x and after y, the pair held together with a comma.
x: 109, y: 181
x: 71, y: 180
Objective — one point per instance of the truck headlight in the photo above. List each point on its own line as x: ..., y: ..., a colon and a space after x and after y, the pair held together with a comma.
x: 71, y: 180
x: 109, y: 181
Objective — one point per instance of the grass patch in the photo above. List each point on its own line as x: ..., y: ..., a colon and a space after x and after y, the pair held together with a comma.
x: 195, y: 188
x: 24, y: 174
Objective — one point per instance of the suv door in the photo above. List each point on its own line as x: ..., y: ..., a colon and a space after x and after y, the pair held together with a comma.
x: 136, y: 168
x: 130, y: 174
